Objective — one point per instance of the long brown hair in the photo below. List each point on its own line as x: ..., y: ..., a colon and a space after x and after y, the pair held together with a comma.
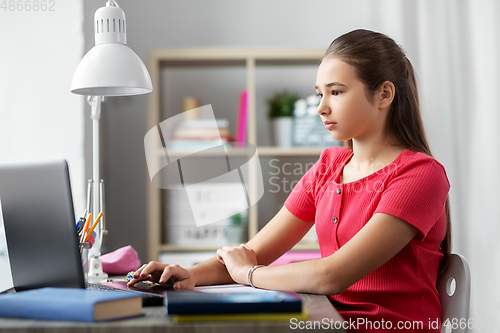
x: 376, y: 59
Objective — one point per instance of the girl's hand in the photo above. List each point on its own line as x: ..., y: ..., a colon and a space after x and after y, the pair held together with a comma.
x: 175, y: 275
x: 238, y: 261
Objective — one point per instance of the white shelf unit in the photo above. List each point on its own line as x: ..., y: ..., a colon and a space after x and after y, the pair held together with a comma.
x: 249, y: 58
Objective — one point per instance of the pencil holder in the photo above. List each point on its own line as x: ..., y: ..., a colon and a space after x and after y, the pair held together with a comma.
x: 84, y: 253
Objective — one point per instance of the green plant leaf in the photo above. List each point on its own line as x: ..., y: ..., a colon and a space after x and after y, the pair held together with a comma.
x: 282, y: 104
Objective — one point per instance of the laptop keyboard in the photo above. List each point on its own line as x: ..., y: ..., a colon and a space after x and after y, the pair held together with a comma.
x: 98, y: 286
x: 147, y: 299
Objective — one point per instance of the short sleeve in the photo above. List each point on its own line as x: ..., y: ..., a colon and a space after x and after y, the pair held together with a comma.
x: 302, y: 200
x: 417, y: 193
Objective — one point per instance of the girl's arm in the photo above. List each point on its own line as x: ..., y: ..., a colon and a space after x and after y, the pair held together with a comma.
x: 377, y: 242
x: 277, y: 237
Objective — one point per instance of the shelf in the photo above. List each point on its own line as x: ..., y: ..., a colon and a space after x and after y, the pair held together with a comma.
x: 262, y: 150
x: 182, y: 55
x: 169, y: 64
x: 201, y: 153
x: 176, y: 248
x: 293, y: 151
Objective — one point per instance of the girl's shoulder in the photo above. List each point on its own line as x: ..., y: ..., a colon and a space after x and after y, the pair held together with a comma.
x: 419, y: 162
x: 335, y: 154
x: 333, y: 159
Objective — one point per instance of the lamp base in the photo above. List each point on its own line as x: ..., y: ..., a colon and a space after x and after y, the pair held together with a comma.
x: 95, y: 270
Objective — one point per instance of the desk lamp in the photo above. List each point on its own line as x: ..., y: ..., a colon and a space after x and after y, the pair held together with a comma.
x: 110, y: 68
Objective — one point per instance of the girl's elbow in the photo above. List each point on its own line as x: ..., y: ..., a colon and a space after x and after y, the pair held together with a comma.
x: 332, y: 286
x: 331, y: 281
x: 336, y: 289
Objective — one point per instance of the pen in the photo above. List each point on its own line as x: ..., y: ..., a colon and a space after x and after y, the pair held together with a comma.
x: 81, y: 222
x: 80, y: 226
x: 92, y: 227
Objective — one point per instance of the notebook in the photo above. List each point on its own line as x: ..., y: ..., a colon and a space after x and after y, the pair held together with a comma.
x: 40, y: 231
x: 223, y: 301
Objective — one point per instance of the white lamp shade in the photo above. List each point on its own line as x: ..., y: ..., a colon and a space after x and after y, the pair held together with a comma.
x: 111, y: 69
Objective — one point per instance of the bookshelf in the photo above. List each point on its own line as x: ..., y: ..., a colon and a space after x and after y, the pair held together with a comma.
x: 246, y: 63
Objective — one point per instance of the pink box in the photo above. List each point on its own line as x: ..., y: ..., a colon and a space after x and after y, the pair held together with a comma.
x: 294, y: 256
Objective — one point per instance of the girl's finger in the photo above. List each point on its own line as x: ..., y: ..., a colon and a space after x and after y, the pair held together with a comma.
x: 137, y: 273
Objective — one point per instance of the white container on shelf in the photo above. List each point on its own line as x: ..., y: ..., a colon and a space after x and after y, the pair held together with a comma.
x: 283, y: 131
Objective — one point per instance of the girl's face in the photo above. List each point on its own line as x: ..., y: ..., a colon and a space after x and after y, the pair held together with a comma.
x: 345, y: 108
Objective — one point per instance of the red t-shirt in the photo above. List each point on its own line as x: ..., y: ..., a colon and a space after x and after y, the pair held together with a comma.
x: 414, y: 188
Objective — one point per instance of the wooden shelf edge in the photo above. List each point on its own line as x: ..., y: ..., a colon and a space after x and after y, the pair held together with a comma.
x: 262, y: 150
x: 236, y: 53
x: 204, y: 152
x: 292, y: 151
x: 177, y: 248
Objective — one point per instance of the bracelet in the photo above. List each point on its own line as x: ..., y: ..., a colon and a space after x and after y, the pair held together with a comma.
x: 250, y: 272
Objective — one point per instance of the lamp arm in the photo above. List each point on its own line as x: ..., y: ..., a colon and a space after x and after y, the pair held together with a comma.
x: 95, y: 105
x: 95, y: 264
x: 95, y: 115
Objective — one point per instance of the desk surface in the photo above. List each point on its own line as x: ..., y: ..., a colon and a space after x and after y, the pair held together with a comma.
x: 155, y: 321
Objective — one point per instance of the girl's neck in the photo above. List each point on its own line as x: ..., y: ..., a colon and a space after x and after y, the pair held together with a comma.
x: 369, y: 158
x: 379, y: 152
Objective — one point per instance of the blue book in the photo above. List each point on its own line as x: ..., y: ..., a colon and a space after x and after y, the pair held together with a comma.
x: 195, y: 302
x: 70, y: 304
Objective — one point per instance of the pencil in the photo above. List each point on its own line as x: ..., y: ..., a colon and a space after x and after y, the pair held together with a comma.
x: 87, y: 223
x: 85, y: 228
x: 92, y: 227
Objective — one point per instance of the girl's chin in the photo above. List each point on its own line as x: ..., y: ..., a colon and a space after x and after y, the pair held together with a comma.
x: 337, y: 137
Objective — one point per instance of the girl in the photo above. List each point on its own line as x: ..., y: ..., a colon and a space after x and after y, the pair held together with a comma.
x: 380, y: 205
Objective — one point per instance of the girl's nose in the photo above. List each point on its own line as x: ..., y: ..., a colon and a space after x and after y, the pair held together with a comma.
x: 323, y: 108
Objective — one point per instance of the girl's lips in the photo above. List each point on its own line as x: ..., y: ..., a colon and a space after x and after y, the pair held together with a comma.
x: 329, y: 125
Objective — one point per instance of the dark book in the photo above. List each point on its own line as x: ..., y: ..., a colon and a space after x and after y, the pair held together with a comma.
x: 195, y: 302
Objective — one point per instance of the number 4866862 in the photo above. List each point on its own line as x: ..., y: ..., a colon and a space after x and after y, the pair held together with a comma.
x: 28, y: 5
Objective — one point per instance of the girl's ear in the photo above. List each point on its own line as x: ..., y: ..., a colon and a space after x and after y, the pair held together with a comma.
x: 387, y: 92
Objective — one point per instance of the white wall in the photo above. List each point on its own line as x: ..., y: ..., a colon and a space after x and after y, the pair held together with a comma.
x: 39, y: 118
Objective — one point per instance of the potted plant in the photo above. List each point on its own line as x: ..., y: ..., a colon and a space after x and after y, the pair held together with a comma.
x: 281, y: 107
x: 235, y: 231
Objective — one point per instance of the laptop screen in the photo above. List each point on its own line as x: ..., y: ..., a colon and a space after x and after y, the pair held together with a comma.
x: 39, y: 226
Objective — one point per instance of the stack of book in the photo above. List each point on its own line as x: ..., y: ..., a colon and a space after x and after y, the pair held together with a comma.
x: 199, y: 133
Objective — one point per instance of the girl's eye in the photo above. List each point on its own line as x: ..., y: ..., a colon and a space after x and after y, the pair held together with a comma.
x: 336, y: 92
x: 319, y: 95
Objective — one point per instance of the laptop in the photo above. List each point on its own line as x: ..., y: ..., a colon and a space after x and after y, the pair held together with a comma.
x: 41, y: 235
